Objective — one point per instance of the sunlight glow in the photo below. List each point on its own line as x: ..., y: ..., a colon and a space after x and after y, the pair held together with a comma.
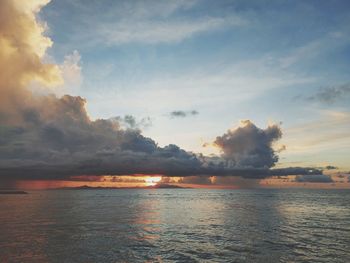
x: 150, y: 181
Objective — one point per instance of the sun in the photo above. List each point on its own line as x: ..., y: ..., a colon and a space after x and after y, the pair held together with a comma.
x: 150, y: 181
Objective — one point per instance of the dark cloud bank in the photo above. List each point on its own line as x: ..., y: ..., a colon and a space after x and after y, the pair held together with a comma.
x: 53, y: 138
x: 319, y: 178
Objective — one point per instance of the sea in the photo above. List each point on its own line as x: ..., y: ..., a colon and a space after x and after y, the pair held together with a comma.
x: 176, y: 225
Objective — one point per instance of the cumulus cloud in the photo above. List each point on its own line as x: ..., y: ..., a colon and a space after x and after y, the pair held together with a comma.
x: 332, y: 94
x: 316, y: 178
x: 249, y: 146
x: 22, y: 47
x: 130, y: 122
x: 56, y: 137
x: 182, y: 114
x: 49, y: 137
x: 71, y: 73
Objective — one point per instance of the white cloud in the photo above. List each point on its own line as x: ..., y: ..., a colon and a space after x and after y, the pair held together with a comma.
x: 314, y: 48
x: 330, y: 131
x: 147, y: 22
x: 151, y: 32
x: 318, y: 141
x: 71, y: 73
x: 205, y: 88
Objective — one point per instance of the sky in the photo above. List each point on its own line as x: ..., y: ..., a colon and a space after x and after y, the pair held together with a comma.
x: 175, y: 88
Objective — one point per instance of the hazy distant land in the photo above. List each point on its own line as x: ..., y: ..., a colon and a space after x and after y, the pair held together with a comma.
x: 12, y: 192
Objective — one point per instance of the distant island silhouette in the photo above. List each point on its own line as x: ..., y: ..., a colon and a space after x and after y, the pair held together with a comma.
x: 12, y: 192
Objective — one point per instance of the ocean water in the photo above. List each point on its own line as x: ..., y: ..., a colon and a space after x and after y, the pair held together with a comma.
x: 176, y: 225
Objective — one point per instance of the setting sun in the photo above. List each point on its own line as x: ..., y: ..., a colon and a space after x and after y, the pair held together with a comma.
x: 174, y: 131
x: 150, y: 181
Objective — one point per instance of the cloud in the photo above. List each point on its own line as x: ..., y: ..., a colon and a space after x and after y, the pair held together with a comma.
x: 281, y: 148
x: 235, y: 181
x: 201, y: 180
x: 161, y: 31
x: 317, y: 178
x: 315, y: 48
x: 149, y: 22
x: 22, y: 47
x: 205, y: 180
x: 249, y: 146
x: 332, y: 94
x: 129, y: 122
x: 71, y: 72
x: 124, y: 179
x: 182, y: 114
x: 56, y: 139
x: 49, y: 137
x: 329, y: 132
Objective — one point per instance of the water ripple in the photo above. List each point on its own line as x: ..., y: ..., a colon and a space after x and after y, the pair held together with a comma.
x: 176, y: 226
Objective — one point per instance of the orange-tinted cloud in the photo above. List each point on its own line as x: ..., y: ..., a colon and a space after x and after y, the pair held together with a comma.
x: 22, y: 48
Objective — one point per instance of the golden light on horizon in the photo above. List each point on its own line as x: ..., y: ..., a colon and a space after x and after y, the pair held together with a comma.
x: 151, y: 181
